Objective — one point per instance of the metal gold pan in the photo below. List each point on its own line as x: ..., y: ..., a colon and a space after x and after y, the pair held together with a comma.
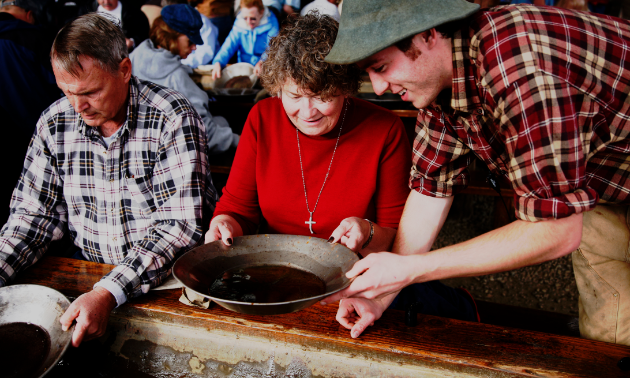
x: 41, y: 306
x: 198, y: 268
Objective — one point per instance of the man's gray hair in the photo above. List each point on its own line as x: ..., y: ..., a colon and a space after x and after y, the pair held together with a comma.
x: 93, y: 35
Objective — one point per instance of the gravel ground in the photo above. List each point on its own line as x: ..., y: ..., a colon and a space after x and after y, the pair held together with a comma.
x: 549, y: 286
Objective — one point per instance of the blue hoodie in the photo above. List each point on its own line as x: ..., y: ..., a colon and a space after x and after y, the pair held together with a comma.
x: 250, y: 43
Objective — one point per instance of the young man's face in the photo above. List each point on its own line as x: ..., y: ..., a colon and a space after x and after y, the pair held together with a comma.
x: 417, y: 76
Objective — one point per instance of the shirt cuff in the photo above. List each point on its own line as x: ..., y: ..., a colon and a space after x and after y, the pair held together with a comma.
x: 116, y: 291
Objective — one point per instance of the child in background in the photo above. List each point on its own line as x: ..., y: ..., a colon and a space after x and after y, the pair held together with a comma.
x: 255, y: 25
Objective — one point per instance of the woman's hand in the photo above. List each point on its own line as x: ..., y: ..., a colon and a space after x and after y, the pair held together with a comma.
x: 352, y: 232
x: 258, y: 68
x: 216, y: 71
x: 223, y: 227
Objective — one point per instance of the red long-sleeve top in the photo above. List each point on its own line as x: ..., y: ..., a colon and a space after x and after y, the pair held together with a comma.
x: 368, y: 177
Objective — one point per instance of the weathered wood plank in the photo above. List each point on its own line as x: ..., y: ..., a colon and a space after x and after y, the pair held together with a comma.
x: 444, y: 343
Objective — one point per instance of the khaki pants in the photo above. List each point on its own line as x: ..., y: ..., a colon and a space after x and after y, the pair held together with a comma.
x: 602, y: 272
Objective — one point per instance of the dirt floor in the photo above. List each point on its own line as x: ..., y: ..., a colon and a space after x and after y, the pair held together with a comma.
x: 549, y: 286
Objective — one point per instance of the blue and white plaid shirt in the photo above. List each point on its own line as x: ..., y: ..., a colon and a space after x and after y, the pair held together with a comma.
x: 136, y: 204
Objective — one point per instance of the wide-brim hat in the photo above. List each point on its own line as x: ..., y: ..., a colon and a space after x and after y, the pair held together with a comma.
x: 369, y: 26
x: 184, y: 19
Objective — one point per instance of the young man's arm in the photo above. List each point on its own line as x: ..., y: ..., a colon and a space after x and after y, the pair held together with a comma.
x: 515, y: 245
x: 383, y: 275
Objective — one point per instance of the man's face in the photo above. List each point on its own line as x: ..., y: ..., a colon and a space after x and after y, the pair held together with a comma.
x: 98, y: 95
x: 418, y: 80
x: 110, y: 5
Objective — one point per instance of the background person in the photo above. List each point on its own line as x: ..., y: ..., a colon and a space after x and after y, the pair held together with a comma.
x: 119, y: 164
x: 135, y: 24
x: 500, y: 85
x: 158, y: 59
x: 250, y: 35
x: 315, y: 161
x: 27, y: 85
x: 220, y: 13
x: 327, y: 7
x: 204, y: 53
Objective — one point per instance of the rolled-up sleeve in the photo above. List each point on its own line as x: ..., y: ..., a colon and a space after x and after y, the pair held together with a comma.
x: 439, y: 159
x: 551, y: 124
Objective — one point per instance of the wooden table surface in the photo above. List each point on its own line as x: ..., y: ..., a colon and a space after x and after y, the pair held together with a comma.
x: 454, y: 345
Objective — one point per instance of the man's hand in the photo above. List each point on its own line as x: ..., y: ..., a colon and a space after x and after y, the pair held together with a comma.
x: 91, y: 311
x: 379, y: 274
x: 356, y: 314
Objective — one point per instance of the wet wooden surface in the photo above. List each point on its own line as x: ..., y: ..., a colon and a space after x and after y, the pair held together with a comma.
x: 482, y: 349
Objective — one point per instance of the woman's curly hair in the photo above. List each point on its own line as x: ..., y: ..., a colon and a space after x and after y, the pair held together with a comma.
x: 298, y: 53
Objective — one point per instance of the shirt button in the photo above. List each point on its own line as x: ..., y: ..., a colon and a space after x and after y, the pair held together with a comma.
x: 105, y: 152
x: 114, y: 238
x: 111, y: 180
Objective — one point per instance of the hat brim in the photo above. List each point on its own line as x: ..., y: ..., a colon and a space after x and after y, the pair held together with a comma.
x: 195, y: 38
x: 368, y: 27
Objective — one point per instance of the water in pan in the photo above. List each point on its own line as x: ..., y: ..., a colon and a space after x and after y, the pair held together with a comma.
x: 266, y: 284
x: 23, y: 349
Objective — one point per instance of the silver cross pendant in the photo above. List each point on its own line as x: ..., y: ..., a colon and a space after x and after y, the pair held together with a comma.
x: 310, y: 222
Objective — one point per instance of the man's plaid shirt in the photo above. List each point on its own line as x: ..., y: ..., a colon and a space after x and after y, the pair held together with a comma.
x: 136, y: 204
x: 542, y: 97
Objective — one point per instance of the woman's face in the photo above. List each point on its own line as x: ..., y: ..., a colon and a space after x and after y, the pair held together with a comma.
x: 184, y: 46
x: 252, y: 16
x: 308, y: 112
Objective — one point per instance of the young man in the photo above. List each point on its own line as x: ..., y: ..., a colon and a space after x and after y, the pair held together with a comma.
x: 119, y: 164
x: 541, y: 96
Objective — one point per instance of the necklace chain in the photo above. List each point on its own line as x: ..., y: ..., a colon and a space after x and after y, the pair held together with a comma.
x: 297, y: 133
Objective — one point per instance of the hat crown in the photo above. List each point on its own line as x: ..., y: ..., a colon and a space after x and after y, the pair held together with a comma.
x: 183, y: 19
x: 369, y: 26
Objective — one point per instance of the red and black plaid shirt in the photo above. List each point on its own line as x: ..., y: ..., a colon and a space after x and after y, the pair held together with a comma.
x: 541, y: 95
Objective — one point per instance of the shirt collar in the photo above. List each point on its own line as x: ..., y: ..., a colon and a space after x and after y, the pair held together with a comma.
x: 132, y: 113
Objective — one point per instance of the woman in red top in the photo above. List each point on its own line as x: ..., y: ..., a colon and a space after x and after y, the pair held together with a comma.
x: 314, y: 161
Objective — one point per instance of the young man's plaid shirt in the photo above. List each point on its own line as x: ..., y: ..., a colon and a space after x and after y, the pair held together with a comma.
x: 541, y: 95
x: 136, y: 204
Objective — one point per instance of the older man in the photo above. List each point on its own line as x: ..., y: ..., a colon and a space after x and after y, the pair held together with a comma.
x: 118, y: 164
x: 541, y: 96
